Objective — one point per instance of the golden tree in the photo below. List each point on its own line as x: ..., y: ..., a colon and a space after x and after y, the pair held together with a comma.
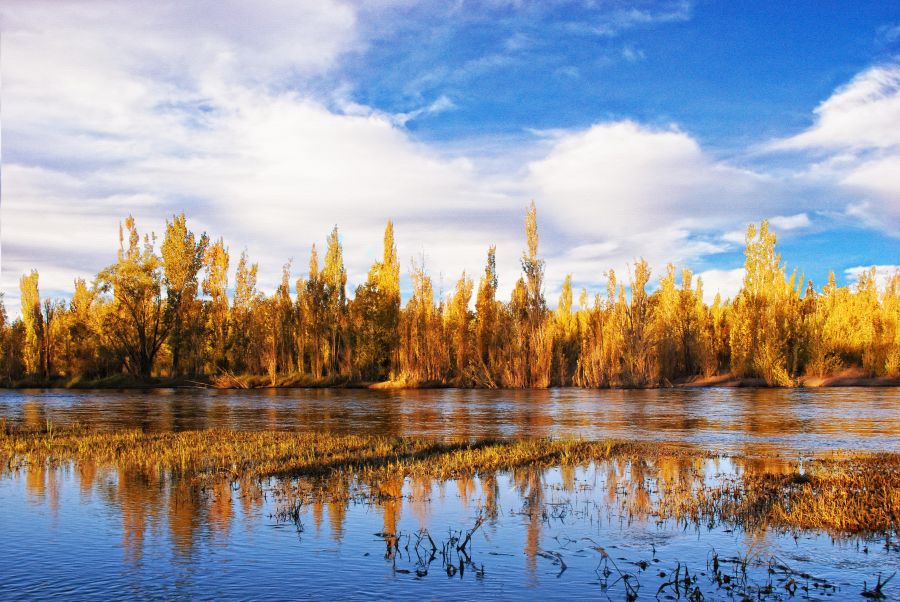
x: 537, y: 335
x: 33, y: 322
x: 137, y: 323
x: 246, y: 298
x: 335, y: 280
x: 567, y: 331
x: 763, y: 312
x: 182, y: 260
x: 634, y: 318
x: 459, y: 329
x: 486, y: 323
x: 375, y: 314
x: 215, y: 286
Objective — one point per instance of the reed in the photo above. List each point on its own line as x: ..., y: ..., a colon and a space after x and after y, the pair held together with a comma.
x: 842, y: 493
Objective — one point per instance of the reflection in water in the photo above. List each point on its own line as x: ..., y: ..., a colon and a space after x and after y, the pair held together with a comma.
x: 794, y: 419
x: 535, y: 519
x: 88, y: 530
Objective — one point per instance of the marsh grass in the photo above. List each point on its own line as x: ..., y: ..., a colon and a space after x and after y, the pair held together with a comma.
x: 839, y: 493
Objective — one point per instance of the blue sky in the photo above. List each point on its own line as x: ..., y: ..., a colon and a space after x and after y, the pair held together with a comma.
x: 730, y: 73
x: 654, y: 129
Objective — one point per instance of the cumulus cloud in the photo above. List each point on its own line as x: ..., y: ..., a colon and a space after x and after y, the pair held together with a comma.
x: 216, y: 109
x: 177, y: 112
x: 882, y: 273
x: 623, y: 178
x: 857, y: 144
x: 726, y: 283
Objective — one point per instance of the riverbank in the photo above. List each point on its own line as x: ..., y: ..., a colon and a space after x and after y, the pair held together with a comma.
x: 846, y: 378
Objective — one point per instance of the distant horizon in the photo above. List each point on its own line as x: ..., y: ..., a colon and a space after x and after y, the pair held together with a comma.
x: 649, y: 129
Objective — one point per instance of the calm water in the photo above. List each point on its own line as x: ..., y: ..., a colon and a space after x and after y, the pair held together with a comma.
x: 85, y: 531
x: 794, y: 420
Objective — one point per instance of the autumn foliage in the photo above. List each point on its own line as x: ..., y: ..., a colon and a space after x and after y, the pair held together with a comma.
x: 171, y: 312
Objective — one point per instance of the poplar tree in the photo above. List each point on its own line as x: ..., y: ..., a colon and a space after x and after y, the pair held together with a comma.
x: 778, y: 327
x: 757, y: 334
x: 245, y: 299
x: 33, y: 321
x: 335, y: 279
x: 537, y: 336
x: 375, y: 313
x: 486, y: 321
x: 137, y: 324
x: 182, y: 259
x: 566, y: 329
x: 459, y: 329
x: 215, y: 286
x: 315, y: 310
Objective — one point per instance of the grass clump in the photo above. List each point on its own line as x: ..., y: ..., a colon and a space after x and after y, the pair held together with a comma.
x: 848, y: 493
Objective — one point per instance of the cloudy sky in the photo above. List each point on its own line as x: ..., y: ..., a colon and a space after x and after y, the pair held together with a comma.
x: 656, y: 129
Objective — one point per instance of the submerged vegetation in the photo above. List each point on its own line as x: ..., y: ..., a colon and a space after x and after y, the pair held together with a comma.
x: 840, y: 493
x: 169, y: 314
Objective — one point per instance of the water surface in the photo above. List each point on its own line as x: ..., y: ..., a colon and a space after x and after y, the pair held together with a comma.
x: 795, y: 420
x: 82, y: 531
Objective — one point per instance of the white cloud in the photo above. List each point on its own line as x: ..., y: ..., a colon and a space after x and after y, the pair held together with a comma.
x: 856, y: 129
x: 206, y: 108
x: 790, y: 222
x: 860, y: 115
x: 208, y: 115
x: 617, y: 21
x: 726, y: 283
x: 175, y: 112
x: 882, y: 273
x: 621, y: 178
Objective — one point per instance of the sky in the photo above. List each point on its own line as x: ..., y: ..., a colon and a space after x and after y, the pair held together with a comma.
x: 640, y: 129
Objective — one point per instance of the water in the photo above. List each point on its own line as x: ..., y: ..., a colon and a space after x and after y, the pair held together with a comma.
x: 794, y: 420
x: 85, y: 531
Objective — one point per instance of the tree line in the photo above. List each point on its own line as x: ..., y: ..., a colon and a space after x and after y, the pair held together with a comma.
x: 167, y: 312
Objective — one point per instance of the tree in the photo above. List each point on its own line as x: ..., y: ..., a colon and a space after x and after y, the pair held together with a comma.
x: 215, y: 286
x: 376, y: 315
x: 537, y: 336
x: 182, y: 259
x: 33, y: 322
x: 777, y: 328
x: 138, y: 326
x: 566, y: 329
x: 459, y: 327
x: 423, y: 356
x: 84, y: 326
x: 314, y: 309
x: 486, y: 322
x: 760, y: 316
x: 635, y: 320
x: 246, y: 297
x: 335, y: 279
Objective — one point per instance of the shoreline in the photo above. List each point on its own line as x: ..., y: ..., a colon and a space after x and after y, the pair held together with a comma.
x: 848, y: 378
